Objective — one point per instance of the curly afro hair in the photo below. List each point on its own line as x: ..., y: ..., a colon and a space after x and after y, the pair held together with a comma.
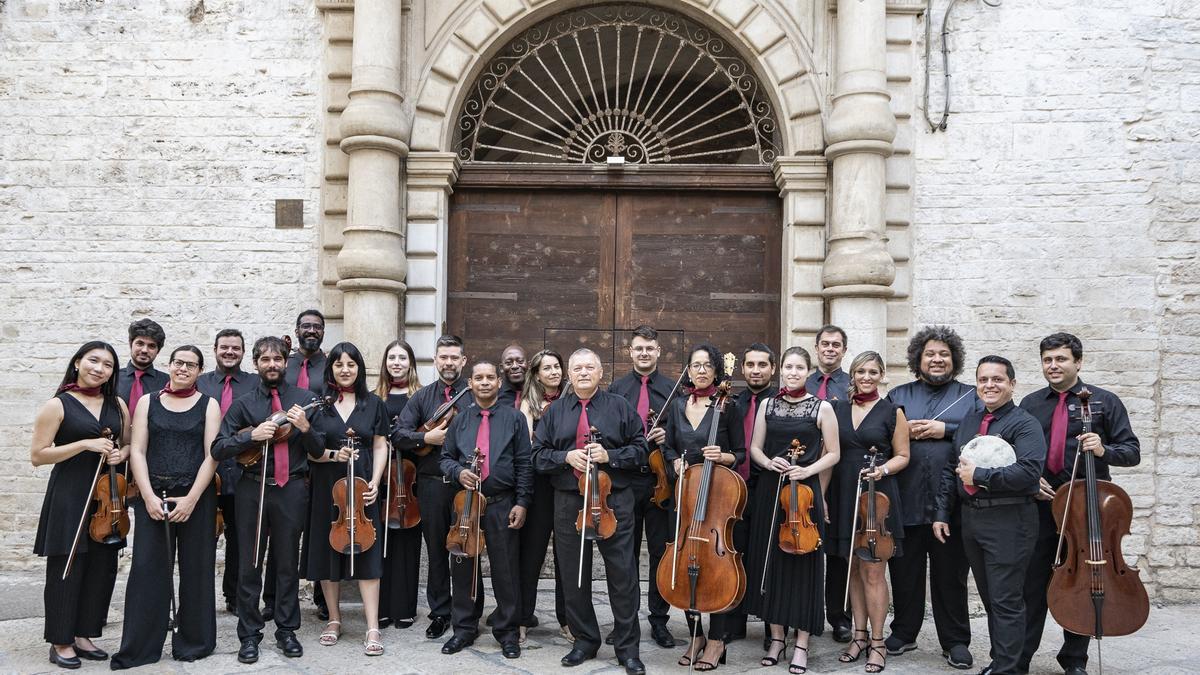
x: 944, y: 334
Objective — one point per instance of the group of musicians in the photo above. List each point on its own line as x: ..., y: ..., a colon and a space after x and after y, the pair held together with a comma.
x: 523, y: 438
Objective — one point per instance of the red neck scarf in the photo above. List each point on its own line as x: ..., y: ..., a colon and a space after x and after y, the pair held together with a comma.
x: 706, y: 392
x: 547, y: 397
x: 800, y: 392
x: 342, y: 391
x: 86, y: 391
x: 865, y: 398
x: 400, y: 384
x: 181, y: 393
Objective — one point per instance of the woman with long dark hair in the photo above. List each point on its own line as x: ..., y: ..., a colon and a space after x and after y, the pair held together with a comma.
x: 173, y: 431
x: 68, y: 434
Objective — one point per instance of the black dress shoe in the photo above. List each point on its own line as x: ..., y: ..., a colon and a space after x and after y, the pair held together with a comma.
x: 249, y: 651
x: 91, y: 654
x: 268, y: 613
x: 437, y: 627
x: 385, y: 622
x: 609, y: 639
x: 1073, y: 670
x: 403, y: 623
x: 230, y: 607
x: 576, y: 656
x: 491, y: 619
x: 290, y: 646
x: 634, y: 666
x: 322, y: 612
x: 662, y: 637
x: 456, y: 644
x: 511, y: 650
x: 68, y: 662
x: 841, y: 633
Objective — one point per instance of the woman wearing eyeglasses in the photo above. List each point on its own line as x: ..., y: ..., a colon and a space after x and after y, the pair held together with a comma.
x: 173, y: 431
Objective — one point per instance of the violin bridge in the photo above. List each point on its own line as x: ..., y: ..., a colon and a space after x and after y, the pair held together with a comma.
x: 1096, y: 562
x: 698, y: 539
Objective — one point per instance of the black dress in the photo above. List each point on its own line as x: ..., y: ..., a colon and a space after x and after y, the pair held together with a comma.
x: 402, y: 565
x: 875, y: 431
x: 78, y: 605
x: 322, y: 563
x: 795, y: 584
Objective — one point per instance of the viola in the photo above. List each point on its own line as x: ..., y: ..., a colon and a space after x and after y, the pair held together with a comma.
x: 442, y: 417
x: 1092, y: 591
x: 352, y: 532
x: 596, y: 518
x: 872, y: 541
x: 798, y: 534
x: 661, y: 495
x: 282, y: 431
x: 110, y: 521
x: 402, y: 511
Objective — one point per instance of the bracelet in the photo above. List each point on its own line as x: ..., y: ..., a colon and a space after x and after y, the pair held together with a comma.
x: 886, y: 471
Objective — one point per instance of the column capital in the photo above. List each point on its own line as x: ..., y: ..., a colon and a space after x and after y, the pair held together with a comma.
x: 800, y: 174
x: 433, y: 169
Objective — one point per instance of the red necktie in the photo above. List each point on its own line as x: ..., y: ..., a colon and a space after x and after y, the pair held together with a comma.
x: 135, y: 391
x: 582, y: 430
x: 446, y: 393
x: 748, y: 430
x: 643, y: 404
x: 1058, y: 435
x: 822, y: 393
x: 226, y: 395
x: 983, y: 429
x: 302, y: 377
x: 483, y: 441
x: 517, y: 398
x: 281, y: 448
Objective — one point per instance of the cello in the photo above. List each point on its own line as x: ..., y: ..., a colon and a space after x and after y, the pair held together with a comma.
x: 110, y: 521
x: 596, y: 519
x: 442, y: 417
x: 798, y: 534
x: 1092, y: 591
x: 465, y: 539
x: 352, y: 532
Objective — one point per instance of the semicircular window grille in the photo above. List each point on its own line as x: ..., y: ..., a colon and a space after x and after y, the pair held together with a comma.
x: 625, y: 81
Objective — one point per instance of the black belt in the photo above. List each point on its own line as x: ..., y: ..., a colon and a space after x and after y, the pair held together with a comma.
x: 257, y: 477
x: 998, y: 501
x: 507, y: 494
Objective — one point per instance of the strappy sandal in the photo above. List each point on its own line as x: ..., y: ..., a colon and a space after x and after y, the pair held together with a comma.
x: 794, y: 668
x: 767, y: 659
x: 876, y: 649
x: 705, y: 666
x: 372, y: 647
x: 330, y: 636
x: 693, y: 651
x: 846, y: 656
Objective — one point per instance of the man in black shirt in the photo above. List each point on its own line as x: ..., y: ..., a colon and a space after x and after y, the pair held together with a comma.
x: 306, y: 366
x: 999, y: 519
x: 226, y: 383
x: 138, y: 377
x: 1112, y: 442
x: 435, y: 492
x: 285, y: 497
x: 646, y: 389
x: 512, y: 361
x: 561, y: 448
x: 935, y: 403
x: 498, y: 432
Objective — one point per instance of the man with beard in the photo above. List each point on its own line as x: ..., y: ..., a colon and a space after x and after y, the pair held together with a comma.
x: 435, y: 492
x: 306, y: 367
x: 225, y: 384
x: 285, y: 496
x: 512, y: 361
x: 138, y: 377
x: 935, y: 404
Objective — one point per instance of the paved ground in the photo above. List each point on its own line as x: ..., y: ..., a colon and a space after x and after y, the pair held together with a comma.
x: 1165, y: 645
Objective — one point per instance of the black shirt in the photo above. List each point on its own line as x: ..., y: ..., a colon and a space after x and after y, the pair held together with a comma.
x: 684, y: 440
x: 1110, y: 421
x: 253, y: 409
x: 509, y: 396
x: 739, y: 408
x: 836, y: 390
x: 510, y: 465
x: 211, y: 384
x: 629, y: 387
x: 420, y: 409
x: 621, y: 433
x: 316, y: 370
x: 1020, y: 479
x: 152, y: 381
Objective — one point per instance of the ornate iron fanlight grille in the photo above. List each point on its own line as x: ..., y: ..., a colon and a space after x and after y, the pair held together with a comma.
x: 622, y: 81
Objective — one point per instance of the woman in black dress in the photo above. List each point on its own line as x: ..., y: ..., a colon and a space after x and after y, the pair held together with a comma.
x: 358, y: 409
x: 398, y: 381
x: 173, y: 431
x: 868, y: 421
x: 792, y: 596
x: 67, y: 434
x: 688, y: 424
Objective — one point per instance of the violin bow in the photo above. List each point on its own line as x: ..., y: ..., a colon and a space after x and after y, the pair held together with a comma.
x: 172, y: 618
x: 387, y: 491
x: 107, y: 433
x: 587, y: 484
x: 262, y: 499
x: 850, y: 553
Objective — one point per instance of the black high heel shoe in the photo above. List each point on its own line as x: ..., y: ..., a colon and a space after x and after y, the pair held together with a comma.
x: 796, y: 669
x: 846, y: 656
x: 767, y: 659
x: 876, y: 649
x: 68, y: 662
x: 705, y: 666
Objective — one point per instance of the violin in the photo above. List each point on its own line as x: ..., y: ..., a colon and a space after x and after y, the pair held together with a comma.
x: 872, y: 541
x: 1092, y: 591
x: 596, y: 518
x: 402, y: 510
x: 442, y: 417
x: 658, y: 467
x: 220, y: 518
x: 282, y: 431
x: 798, y: 534
x: 352, y: 532
x: 705, y: 573
x: 110, y: 521
x: 465, y: 538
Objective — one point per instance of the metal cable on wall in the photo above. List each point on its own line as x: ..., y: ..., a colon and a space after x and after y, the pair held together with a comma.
x: 941, y: 124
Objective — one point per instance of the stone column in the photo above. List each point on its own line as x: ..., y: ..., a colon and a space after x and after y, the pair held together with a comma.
x: 371, y: 265
x: 858, y: 270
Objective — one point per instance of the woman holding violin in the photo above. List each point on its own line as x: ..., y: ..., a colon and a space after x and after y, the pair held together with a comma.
x: 353, y: 437
x: 79, y: 432
x: 874, y: 442
x: 398, y: 381
x: 786, y: 588
x: 172, y: 433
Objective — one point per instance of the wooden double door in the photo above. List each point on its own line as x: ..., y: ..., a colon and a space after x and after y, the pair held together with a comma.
x: 570, y: 268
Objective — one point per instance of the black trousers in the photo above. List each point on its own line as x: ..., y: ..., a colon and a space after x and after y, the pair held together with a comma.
x: 401, y: 574
x: 999, y: 543
x: 657, y: 524
x: 835, y: 590
x: 78, y: 605
x: 436, y: 499
x: 148, y: 595
x: 624, y: 590
x: 285, y: 514
x: 533, y: 537
x: 503, y: 557
x: 229, y: 578
x: 1074, y: 651
x: 947, y: 564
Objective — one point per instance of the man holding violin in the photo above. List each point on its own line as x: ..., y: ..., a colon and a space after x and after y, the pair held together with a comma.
x: 1057, y: 409
x: 498, y: 433
x: 563, y: 450
x: 285, y: 497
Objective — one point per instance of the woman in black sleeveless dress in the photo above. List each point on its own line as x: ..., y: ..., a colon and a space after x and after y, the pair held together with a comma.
x: 867, y: 421
x: 363, y: 411
x: 67, y: 434
x: 173, y: 431
x: 792, y: 596
x: 398, y: 381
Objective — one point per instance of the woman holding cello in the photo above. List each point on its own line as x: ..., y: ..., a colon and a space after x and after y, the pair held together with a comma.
x: 398, y: 381
x: 787, y: 589
x: 79, y: 432
x: 874, y: 442
x: 365, y: 413
x: 173, y: 431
